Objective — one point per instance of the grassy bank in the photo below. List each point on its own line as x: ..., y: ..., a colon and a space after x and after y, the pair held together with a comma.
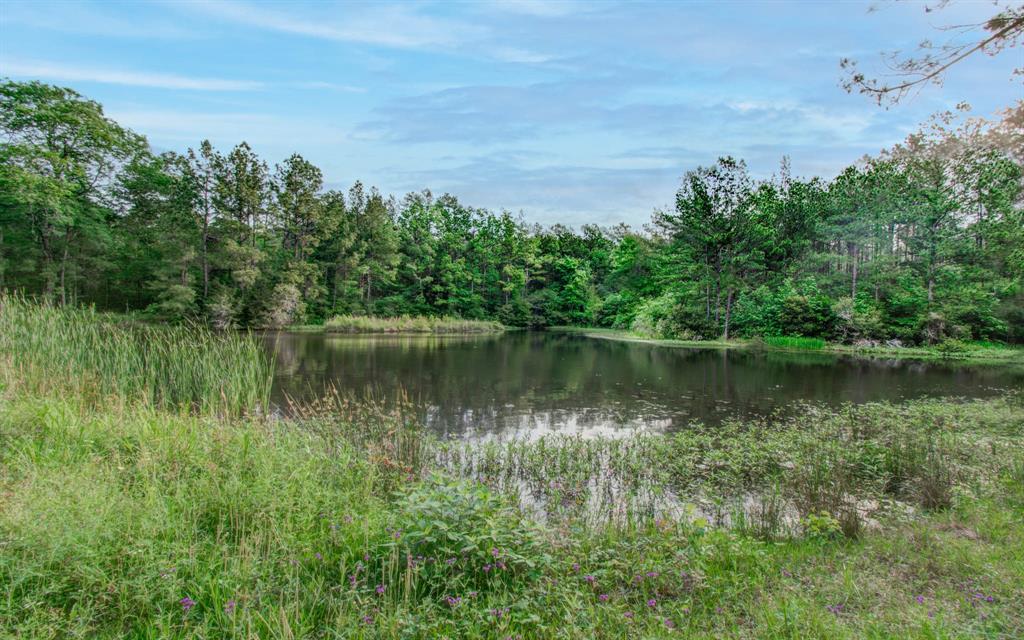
x: 976, y: 352
x: 404, y: 324
x: 134, y: 517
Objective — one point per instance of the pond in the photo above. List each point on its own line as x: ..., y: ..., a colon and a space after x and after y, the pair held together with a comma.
x: 533, y: 383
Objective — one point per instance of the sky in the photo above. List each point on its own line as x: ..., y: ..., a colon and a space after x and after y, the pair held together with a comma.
x: 562, y: 111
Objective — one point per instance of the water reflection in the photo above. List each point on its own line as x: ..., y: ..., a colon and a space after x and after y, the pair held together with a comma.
x: 528, y: 383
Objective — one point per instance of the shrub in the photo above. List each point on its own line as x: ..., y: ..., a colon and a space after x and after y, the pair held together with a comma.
x: 474, y: 536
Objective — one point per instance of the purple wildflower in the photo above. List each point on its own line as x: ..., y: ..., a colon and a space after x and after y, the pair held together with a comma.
x: 629, y: 614
x: 487, y: 568
x: 187, y: 603
x: 603, y: 597
x: 589, y: 579
x: 452, y: 600
x: 380, y: 589
x: 652, y: 574
x: 920, y: 599
x: 367, y: 619
x: 652, y: 603
x: 501, y: 565
x: 835, y: 608
x: 450, y: 561
x: 669, y: 623
x: 576, y: 567
x: 318, y: 555
x: 229, y: 607
x: 495, y: 552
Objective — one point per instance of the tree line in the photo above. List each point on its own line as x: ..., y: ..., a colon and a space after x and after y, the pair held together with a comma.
x: 921, y: 243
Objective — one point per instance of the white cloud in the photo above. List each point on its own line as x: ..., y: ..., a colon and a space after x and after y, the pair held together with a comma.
x: 71, y: 73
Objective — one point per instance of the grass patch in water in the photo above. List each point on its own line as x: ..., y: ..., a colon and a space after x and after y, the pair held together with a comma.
x: 794, y: 342
x: 409, y: 324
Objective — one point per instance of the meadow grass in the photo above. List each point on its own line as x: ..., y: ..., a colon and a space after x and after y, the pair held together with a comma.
x: 409, y: 324
x: 126, y: 519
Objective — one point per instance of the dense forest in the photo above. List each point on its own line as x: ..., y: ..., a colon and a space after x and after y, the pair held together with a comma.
x: 922, y: 243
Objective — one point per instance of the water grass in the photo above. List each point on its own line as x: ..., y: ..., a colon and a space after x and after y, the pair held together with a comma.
x: 409, y: 324
x: 104, y: 358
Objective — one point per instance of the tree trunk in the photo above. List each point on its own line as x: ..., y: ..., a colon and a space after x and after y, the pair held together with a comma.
x: 206, y: 260
x: 728, y: 313
x: 853, y: 287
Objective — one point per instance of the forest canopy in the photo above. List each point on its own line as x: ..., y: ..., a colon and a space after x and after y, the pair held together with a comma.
x: 922, y: 243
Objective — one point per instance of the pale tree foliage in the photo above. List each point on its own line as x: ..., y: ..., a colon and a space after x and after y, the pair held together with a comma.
x: 907, y: 73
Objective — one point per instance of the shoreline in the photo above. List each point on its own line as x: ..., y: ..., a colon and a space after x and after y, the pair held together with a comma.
x: 978, y: 355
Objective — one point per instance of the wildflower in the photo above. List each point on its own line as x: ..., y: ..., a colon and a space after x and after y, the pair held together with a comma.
x: 576, y: 567
x: 669, y: 623
x: 318, y: 555
x: 835, y: 608
x: 629, y: 614
x: 652, y: 603
x: 187, y: 603
x: 652, y: 574
x: 589, y: 579
x: 603, y: 597
x: 367, y: 619
x: 380, y: 589
x: 501, y: 565
x: 450, y: 561
x: 920, y: 599
x: 495, y: 552
x: 229, y: 607
x: 487, y: 568
x: 452, y: 600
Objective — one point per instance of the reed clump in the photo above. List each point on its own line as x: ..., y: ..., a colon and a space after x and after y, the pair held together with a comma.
x: 104, y: 358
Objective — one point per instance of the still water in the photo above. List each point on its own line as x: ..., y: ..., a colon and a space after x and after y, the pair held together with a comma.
x: 531, y: 383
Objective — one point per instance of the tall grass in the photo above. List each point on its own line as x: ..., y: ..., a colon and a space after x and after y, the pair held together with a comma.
x: 409, y: 324
x: 99, y: 357
x: 794, y: 342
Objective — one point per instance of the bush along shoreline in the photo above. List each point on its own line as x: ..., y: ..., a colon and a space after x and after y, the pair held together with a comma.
x: 126, y: 512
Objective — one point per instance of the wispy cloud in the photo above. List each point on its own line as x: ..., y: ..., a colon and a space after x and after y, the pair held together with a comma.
x: 330, y: 86
x: 73, y: 73
x: 390, y: 26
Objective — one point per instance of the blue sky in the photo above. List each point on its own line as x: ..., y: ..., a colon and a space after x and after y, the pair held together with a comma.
x: 569, y: 112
